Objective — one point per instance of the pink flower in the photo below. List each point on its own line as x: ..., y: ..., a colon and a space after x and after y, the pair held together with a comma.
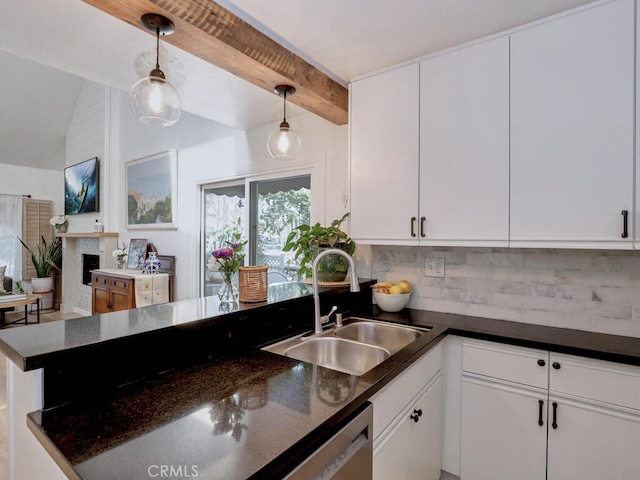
x: 223, y: 253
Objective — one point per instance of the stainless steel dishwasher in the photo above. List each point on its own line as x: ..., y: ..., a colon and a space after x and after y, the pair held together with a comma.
x: 346, y: 456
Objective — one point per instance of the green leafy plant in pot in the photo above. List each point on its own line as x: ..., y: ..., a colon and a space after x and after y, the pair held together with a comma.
x: 45, y: 261
x: 307, y: 241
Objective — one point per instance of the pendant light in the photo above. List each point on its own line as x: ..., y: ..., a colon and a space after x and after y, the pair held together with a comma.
x: 154, y: 100
x: 284, y: 143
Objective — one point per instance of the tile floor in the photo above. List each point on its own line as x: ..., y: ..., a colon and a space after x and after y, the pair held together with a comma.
x: 4, y: 447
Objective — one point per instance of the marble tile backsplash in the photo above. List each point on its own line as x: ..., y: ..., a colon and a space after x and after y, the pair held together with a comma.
x: 581, y: 289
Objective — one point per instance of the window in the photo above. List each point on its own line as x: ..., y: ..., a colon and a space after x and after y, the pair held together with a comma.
x: 224, y: 214
x: 10, y: 230
x: 275, y: 207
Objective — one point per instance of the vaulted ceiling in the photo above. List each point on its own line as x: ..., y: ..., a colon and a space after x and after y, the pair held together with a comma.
x: 341, y: 39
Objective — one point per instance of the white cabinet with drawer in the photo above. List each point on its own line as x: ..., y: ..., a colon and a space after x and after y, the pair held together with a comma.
x: 407, y: 423
x: 531, y: 414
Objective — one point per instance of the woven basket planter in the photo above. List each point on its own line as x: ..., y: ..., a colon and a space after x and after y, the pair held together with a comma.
x: 253, y: 283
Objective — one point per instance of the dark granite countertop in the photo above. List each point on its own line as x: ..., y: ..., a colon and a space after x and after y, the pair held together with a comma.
x: 247, y: 413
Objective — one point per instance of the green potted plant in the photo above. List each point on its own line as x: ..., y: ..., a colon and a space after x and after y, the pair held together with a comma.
x: 45, y: 261
x: 306, y: 241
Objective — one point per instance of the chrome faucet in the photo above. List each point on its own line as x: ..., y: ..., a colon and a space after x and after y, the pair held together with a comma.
x: 355, y: 285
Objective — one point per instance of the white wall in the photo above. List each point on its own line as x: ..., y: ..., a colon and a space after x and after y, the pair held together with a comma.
x: 209, y: 152
x: 87, y: 138
x: 40, y: 183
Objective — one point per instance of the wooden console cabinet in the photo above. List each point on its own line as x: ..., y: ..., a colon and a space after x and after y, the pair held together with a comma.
x: 111, y: 293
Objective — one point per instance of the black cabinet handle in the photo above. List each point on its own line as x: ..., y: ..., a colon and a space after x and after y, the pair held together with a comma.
x: 542, y: 363
x: 416, y: 415
x: 554, y: 424
x: 556, y: 365
x: 625, y: 223
x: 413, y: 227
x: 422, y: 220
x: 540, y: 408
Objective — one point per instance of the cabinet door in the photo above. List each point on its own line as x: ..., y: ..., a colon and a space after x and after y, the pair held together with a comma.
x: 384, y: 156
x: 100, y: 300
x: 413, y: 449
x: 464, y: 146
x: 500, y: 435
x: 121, y: 300
x: 572, y: 101
x: 100, y: 294
x: 592, y: 442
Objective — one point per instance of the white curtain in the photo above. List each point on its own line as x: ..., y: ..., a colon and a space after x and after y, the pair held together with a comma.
x: 10, y: 230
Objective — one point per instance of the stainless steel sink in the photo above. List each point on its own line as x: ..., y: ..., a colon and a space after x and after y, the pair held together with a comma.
x: 338, y: 354
x: 388, y: 336
x: 354, y: 348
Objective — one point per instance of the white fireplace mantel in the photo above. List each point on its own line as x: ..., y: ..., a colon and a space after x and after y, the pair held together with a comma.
x: 76, y: 297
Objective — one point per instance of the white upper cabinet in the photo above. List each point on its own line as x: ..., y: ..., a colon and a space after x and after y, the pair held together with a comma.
x: 572, y: 135
x: 384, y: 156
x: 464, y: 146
x: 523, y: 140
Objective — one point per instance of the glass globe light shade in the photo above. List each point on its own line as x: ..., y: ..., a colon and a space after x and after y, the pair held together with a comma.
x: 155, y: 101
x: 284, y: 143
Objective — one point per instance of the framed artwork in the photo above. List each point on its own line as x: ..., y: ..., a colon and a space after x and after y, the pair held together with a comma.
x: 137, y: 253
x: 152, y: 185
x: 81, y: 187
x: 167, y: 263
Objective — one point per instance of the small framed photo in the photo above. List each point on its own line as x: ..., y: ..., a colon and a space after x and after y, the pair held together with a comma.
x: 167, y: 263
x: 151, y: 184
x: 137, y: 253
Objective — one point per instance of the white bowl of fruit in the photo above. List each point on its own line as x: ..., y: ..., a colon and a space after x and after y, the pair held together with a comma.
x: 392, y: 297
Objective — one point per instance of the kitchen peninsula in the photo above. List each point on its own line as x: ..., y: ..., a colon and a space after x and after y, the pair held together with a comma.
x: 187, y: 386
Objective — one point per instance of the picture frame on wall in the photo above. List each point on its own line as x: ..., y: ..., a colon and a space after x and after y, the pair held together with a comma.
x: 81, y: 182
x: 152, y: 187
x: 137, y: 253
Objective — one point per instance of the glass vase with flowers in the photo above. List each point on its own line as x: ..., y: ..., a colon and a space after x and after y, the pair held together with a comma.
x: 227, y: 261
x: 120, y: 254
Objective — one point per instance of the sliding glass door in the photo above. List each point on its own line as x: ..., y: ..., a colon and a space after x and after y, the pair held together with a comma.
x: 268, y: 209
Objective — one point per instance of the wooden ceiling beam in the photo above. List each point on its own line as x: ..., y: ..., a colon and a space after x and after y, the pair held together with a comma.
x: 209, y: 31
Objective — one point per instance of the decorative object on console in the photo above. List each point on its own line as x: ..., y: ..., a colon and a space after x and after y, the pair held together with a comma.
x: 81, y: 187
x: 306, y: 241
x: 151, y: 184
x: 137, y: 253
x: 154, y: 100
x: 151, y: 264
x: 98, y: 227
x: 284, y: 143
x: 119, y: 254
x: 60, y: 222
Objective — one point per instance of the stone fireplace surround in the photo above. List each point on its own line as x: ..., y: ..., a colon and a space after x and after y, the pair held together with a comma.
x: 76, y: 297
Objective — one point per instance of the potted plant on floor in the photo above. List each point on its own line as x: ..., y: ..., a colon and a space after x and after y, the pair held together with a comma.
x: 45, y: 261
x: 306, y: 241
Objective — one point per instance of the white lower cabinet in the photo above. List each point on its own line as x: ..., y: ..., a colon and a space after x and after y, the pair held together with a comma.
x: 584, y: 424
x: 501, y: 436
x: 592, y: 442
x: 407, y: 423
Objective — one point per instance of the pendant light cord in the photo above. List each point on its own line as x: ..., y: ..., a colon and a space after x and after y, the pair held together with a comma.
x: 284, y: 113
x: 158, y: 48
